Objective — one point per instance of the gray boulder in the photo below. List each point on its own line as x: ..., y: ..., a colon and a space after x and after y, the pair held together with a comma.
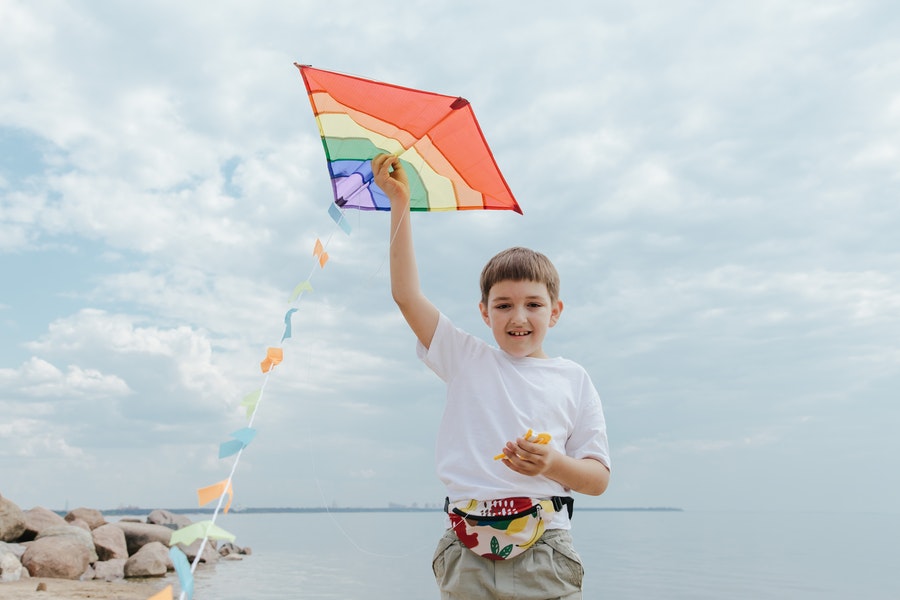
x: 210, y: 553
x: 138, y: 535
x: 17, y: 549
x: 168, y: 518
x: 77, y: 533
x: 231, y: 549
x: 91, y: 516
x: 110, y: 570
x: 80, y: 523
x: 11, y: 568
x: 38, y: 519
x: 109, y: 541
x: 12, y: 521
x: 60, y: 557
x: 150, y: 561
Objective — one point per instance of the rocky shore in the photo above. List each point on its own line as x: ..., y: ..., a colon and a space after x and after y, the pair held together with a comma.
x: 41, y: 546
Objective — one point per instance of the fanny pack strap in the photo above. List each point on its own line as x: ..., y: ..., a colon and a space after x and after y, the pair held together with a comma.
x: 558, y: 502
x: 567, y: 501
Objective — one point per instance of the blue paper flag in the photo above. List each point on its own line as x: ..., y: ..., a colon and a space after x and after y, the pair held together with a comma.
x: 338, y: 217
x: 229, y: 448
x: 183, y: 569
x: 242, y: 437
x: 287, y: 324
x: 245, y: 435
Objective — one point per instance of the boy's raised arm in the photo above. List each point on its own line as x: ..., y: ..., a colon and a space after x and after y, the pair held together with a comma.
x: 421, y: 315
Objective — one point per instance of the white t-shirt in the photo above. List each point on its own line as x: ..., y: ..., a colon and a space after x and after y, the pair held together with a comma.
x: 493, y: 398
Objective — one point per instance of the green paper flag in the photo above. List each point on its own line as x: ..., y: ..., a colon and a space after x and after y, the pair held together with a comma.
x: 197, y: 531
x: 250, y: 401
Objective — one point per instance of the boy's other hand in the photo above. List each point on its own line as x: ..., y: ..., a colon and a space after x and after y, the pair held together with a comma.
x: 528, y: 458
x: 391, y: 177
x: 584, y: 475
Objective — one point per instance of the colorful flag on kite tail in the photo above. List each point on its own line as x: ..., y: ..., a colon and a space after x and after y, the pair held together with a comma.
x: 437, y: 138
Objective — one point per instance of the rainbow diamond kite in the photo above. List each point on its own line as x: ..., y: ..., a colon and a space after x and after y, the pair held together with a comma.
x: 436, y: 137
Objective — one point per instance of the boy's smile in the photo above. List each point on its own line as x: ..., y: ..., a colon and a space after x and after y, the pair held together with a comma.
x: 519, y: 314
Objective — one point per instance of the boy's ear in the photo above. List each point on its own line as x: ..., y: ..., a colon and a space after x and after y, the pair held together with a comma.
x: 484, y: 313
x: 555, y: 311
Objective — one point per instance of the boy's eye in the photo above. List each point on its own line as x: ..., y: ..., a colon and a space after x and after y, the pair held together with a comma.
x: 501, y: 306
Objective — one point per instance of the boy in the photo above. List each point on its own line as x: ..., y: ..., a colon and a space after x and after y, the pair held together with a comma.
x: 508, y: 534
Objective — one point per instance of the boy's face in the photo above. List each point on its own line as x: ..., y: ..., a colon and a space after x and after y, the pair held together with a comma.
x: 519, y: 314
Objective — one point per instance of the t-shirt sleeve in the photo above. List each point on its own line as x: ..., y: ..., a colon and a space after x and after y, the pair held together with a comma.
x: 450, y: 348
x: 589, y: 439
x: 448, y: 345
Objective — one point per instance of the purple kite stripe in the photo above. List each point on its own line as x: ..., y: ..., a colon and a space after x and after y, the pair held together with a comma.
x: 353, y: 191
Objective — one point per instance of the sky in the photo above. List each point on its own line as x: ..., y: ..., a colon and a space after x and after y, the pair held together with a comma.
x: 717, y: 184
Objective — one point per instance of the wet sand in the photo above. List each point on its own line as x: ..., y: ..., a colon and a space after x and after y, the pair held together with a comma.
x: 64, y: 589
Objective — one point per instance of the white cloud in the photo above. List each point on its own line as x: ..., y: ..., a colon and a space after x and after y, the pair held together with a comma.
x: 714, y: 182
x: 39, y: 378
x: 117, y: 342
x: 25, y: 438
x: 877, y: 154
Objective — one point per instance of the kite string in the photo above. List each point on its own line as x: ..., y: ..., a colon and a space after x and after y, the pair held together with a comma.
x: 227, y: 487
x: 313, y: 463
x: 313, y: 460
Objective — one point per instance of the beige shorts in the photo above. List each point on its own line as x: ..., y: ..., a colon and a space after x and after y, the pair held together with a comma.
x: 549, y: 570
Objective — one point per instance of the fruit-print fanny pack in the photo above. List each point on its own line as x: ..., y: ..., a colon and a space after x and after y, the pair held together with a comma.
x: 503, y: 528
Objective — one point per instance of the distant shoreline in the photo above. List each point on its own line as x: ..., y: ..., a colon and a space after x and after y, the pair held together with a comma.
x: 133, y: 510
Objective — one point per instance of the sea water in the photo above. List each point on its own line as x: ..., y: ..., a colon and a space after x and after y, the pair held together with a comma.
x: 628, y: 555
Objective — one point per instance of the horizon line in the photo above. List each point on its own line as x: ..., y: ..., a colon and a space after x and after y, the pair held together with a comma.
x: 131, y: 510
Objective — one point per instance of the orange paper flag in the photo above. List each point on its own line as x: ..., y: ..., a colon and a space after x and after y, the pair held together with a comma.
x: 163, y: 594
x: 273, y: 357
x: 319, y: 252
x: 214, y: 492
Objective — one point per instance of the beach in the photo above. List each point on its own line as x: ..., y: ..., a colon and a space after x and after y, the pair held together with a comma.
x: 65, y: 589
x: 628, y: 555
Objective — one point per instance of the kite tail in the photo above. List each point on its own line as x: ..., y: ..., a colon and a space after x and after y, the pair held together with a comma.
x: 241, y: 438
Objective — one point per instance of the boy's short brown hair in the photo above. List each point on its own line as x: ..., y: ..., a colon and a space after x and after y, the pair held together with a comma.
x: 519, y: 264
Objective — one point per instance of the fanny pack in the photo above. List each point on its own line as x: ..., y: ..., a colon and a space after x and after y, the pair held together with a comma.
x: 503, y: 528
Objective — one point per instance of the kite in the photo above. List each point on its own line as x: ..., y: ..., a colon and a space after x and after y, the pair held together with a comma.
x: 436, y: 137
